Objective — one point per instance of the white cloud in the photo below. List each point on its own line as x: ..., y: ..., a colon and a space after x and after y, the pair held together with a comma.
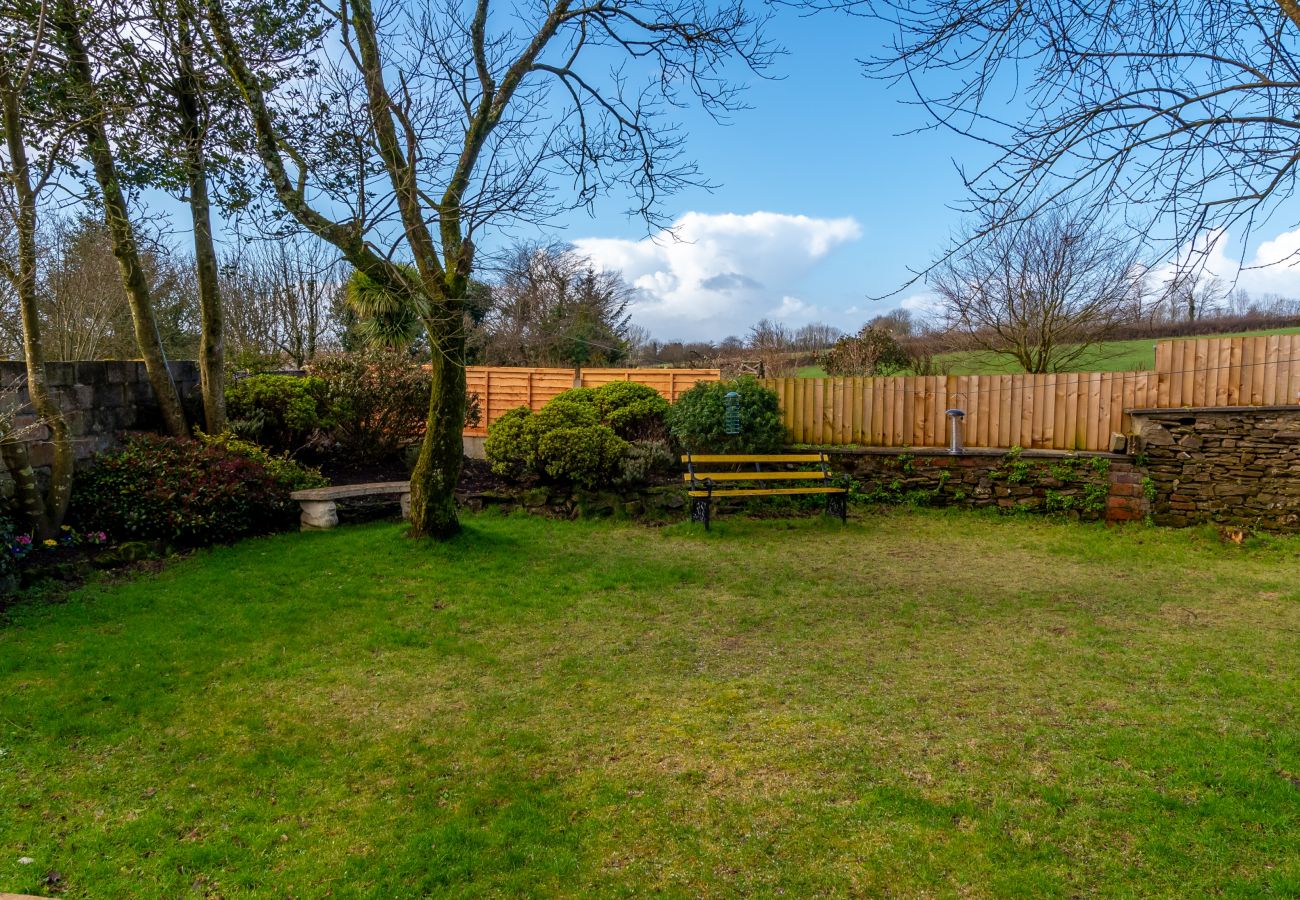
x: 925, y: 305
x: 713, y: 275
x: 1274, y: 268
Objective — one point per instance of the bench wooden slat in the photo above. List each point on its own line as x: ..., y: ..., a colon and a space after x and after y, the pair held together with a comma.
x: 758, y: 476
x: 756, y: 458
x: 766, y: 492
x: 343, y: 491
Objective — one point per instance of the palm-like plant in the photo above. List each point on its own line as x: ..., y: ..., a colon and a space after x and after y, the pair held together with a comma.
x: 385, y: 319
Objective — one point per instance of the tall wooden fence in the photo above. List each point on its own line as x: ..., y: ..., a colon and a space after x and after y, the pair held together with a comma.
x: 501, y: 389
x: 1067, y: 411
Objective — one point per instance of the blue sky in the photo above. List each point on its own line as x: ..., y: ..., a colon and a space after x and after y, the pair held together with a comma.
x: 825, y: 200
x: 824, y: 142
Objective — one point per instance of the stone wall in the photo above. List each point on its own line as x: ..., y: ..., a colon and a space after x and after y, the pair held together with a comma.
x: 1088, y: 486
x: 100, y: 399
x: 1228, y: 465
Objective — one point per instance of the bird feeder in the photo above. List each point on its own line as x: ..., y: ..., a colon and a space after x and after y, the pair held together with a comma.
x: 731, y: 417
x: 955, y: 417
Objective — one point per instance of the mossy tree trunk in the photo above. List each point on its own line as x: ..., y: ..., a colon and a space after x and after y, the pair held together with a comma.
x: 99, y: 150
x: 211, y: 320
x: 442, y: 452
x: 46, y: 513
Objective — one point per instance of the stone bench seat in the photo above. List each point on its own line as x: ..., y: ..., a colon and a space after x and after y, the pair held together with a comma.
x: 320, y: 510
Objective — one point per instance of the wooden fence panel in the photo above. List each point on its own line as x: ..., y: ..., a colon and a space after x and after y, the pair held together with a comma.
x: 1065, y: 411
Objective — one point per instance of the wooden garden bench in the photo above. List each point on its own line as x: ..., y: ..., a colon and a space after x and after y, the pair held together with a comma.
x: 320, y: 505
x: 761, y: 475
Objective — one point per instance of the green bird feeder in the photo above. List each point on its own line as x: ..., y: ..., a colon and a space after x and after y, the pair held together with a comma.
x: 731, y: 419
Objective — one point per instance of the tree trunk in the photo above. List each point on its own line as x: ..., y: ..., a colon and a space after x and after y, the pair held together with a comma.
x: 212, y: 354
x: 116, y: 217
x: 46, y: 516
x: 211, y: 340
x: 437, y: 470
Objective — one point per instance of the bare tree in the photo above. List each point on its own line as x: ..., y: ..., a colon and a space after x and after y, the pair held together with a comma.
x: 81, y: 296
x: 731, y: 345
x: 638, y: 339
x: 1041, y: 292
x: 773, y: 343
x: 442, y: 119
x: 897, y: 322
x: 551, y: 307
x: 1191, y: 294
x: 1183, y: 115
x: 816, y: 336
x: 279, y: 297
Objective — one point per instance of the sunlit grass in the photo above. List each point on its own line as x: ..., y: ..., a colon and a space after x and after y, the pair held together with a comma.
x: 917, y: 703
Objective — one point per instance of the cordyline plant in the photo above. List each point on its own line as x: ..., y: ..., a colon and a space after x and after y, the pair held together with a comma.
x: 430, y: 122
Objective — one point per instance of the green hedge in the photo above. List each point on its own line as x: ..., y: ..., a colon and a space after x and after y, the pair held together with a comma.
x: 698, y: 418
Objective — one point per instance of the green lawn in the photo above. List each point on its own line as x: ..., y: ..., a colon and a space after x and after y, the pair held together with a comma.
x: 1109, y: 356
x: 919, y: 703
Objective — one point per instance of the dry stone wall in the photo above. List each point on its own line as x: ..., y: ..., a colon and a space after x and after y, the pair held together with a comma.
x: 1228, y: 465
x: 1088, y: 486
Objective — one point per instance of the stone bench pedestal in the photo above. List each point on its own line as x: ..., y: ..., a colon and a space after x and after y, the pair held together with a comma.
x: 319, y: 515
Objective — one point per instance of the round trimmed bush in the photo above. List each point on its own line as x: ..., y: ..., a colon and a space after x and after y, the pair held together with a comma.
x: 587, y: 455
x: 563, y: 413
x: 698, y: 418
x: 636, y: 412
x: 575, y: 395
x: 508, y: 446
x: 585, y: 436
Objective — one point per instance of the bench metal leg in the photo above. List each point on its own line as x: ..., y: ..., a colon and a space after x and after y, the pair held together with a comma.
x: 837, y: 506
x: 700, y: 510
x: 319, y: 515
x: 406, y: 506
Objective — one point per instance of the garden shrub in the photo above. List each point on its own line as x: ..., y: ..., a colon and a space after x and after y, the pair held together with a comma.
x: 563, y: 441
x: 289, y: 474
x: 379, y: 401
x: 585, y: 436
x: 563, y: 413
x: 280, y: 412
x: 576, y: 395
x: 697, y: 419
x: 635, y: 411
x: 181, y: 492
x: 646, y: 459
x: 585, y: 455
x: 508, y: 446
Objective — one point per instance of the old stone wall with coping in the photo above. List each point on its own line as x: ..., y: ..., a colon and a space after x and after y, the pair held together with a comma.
x: 101, y: 400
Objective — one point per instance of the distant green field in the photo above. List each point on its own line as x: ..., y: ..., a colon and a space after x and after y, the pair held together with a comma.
x: 1112, y: 356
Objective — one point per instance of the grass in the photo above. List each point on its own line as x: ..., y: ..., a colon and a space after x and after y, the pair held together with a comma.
x: 919, y: 703
x: 1108, y: 356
